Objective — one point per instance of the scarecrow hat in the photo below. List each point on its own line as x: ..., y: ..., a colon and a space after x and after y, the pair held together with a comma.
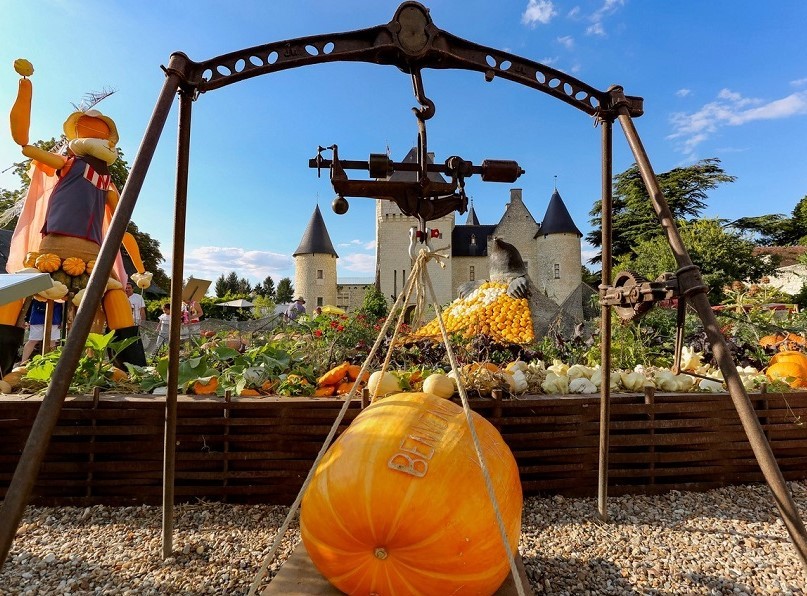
x: 300, y: 299
x: 86, y: 119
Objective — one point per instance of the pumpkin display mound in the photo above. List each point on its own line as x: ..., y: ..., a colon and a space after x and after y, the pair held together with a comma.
x: 398, y: 504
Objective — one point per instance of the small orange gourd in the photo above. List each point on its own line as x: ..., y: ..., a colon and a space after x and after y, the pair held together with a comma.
x: 48, y: 262
x: 335, y: 375
x: 398, y: 504
x: 353, y: 373
x: 325, y: 391
x: 205, y: 386
x: 73, y: 266
x: 30, y: 259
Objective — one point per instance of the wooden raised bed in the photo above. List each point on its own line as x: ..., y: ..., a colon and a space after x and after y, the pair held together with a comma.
x: 259, y: 450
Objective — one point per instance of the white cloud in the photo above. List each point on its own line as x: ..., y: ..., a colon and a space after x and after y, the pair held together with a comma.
x: 210, y: 262
x: 354, y: 242
x: 574, y: 12
x: 597, y: 17
x: 683, y: 92
x: 538, y: 11
x: 799, y: 82
x: 549, y: 61
x: 566, y: 41
x: 731, y: 109
x: 588, y: 252
x: 595, y: 29
x: 358, y: 263
x: 370, y: 245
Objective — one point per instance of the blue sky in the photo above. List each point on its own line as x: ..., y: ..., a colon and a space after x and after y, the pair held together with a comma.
x: 724, y: 79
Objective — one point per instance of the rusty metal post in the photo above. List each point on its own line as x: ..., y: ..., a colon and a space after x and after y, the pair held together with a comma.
x: 36, y: 446
x: 690, y: 279
x: 48, y: 327
x: 605, y: 318
x: 177, y: 276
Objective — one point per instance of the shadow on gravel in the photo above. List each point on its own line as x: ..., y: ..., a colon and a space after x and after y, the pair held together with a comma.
x: 571, y: 576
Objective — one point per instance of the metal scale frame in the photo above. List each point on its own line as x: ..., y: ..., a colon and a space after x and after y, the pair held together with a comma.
x: 411, y: 42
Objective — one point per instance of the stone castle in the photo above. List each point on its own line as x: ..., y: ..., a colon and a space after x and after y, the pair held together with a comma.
x: 550, y: 249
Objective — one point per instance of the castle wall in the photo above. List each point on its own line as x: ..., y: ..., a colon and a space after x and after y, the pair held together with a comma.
x: 559, y: 265
x: 518, y: 228
x: 393, y: 264
x: 461, y: 270
x: 315, y: 279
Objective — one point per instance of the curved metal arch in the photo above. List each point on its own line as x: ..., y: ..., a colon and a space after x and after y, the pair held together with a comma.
x: 410, y: 41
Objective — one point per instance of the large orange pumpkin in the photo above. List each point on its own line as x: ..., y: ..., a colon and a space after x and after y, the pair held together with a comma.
x: 398, y: 504
x: 792, y: 373
x: 799, y: 358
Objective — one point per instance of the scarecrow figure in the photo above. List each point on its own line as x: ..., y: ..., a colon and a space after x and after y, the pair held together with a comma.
x: 64, y: 219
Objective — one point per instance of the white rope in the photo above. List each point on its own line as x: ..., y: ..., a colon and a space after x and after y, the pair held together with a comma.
x: 477, y: 446
x: 417, y: 276
x: 281, y: 532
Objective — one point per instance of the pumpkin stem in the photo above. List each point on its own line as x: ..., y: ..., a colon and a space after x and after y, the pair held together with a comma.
x: 380, y: 553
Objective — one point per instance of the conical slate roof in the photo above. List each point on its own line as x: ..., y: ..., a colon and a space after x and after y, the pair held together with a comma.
x: 472, y: 220
x: 412, y: 157
x: 315, y: 238
x: 557, y: 219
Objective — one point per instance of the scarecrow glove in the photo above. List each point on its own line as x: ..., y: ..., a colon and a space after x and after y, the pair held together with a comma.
x: 143, y: 280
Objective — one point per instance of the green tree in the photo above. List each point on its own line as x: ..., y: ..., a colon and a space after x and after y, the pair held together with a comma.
x: 777, y: 229
x: 243, y: 286
x: 285, y: 291
x: 267, y: 288
x: 635, y: 220
x: 220, y: 286
x: 723, y: 256
x: 374, y: 303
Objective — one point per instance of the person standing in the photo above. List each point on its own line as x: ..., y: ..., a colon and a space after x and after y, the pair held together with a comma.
x: 137, y: 303
x: 191, y: 316
x: 163, y: 329
x: 295, y: 309
x: 36, y: 327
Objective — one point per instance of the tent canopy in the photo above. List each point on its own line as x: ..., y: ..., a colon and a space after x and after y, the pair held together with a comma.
x: 239, y: 303
x: 329, y: 309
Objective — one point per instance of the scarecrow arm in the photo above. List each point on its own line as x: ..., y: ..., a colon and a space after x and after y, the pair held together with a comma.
x: 50, y: 161
x: 130, y: 244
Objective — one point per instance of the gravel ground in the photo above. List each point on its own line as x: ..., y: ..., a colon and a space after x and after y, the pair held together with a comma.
x: 726, y: 541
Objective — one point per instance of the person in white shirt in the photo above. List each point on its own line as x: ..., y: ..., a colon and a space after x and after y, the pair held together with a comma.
x: 162, y: 331
x: 137, y: 303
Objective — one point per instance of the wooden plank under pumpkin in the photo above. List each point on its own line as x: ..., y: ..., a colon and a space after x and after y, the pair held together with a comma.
x: 298, y: 577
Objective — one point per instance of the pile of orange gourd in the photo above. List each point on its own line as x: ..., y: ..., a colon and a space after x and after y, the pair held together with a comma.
x: 340, y: 380
x: 488, y: 310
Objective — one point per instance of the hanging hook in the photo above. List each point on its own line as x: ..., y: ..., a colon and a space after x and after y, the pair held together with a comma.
x: 427, y: 108
x: 422, y: 113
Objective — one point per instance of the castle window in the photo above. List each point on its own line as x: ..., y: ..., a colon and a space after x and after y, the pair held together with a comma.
x: 319, y: 273
x: 473, y: 241
x: 394, y: 283
x: 319, y: 301
x: 471, y: 273
x: 557, y: 270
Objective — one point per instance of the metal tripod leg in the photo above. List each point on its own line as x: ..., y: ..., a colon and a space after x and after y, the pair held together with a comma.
x: 22, y: 483
x: 691, y: 279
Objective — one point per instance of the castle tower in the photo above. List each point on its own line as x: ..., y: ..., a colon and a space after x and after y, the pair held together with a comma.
x: 559, y: 271
x: 315, y: 265
x: 393, y: 263
x: 519, y: 228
